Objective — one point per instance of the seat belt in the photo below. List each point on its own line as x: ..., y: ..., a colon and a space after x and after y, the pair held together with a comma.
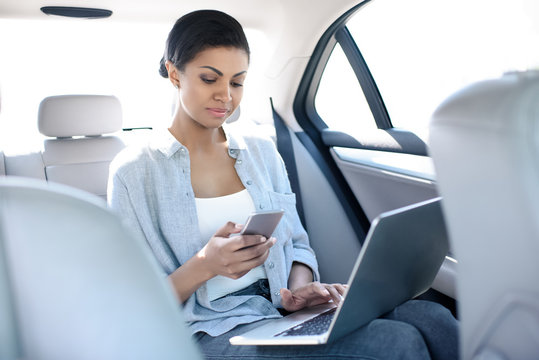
x: 286, y: 149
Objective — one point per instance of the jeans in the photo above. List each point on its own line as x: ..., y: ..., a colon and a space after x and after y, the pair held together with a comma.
x: 415, y: 330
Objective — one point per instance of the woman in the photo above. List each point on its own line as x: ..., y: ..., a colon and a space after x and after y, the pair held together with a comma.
x: 190, y: 187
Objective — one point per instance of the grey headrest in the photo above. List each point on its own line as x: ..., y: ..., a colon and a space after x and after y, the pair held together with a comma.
x: 79, y: 115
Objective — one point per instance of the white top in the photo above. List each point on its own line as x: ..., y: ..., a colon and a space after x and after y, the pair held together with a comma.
x: 213, y: 213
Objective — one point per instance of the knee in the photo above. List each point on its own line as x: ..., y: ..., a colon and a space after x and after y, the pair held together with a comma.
x: 424, y: 309
x: 400, y: 339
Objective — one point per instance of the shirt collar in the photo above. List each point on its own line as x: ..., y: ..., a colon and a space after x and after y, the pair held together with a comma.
x: 235, y: 141
x: 165, y: 142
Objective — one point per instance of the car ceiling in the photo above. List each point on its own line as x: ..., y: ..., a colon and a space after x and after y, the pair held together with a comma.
x: 251, y: 13
x: 293, y: 27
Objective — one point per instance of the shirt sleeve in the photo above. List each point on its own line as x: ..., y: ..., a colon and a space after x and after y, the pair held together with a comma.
x: 119, y: 201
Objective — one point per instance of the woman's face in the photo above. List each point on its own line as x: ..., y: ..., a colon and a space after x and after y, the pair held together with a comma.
x: 211, y: 85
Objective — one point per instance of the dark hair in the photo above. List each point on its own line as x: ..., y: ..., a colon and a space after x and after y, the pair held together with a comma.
x: 197, y: 31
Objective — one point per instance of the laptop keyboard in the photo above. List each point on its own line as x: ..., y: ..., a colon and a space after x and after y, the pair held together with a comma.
x: 315, y: 326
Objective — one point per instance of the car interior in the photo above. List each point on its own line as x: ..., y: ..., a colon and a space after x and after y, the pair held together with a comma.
x: 459, y: 121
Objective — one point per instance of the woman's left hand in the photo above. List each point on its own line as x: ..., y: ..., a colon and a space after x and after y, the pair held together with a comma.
x: 313, y: 293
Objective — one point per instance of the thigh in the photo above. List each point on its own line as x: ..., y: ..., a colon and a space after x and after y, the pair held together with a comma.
x: 380, y: 339
x: 436, y: 324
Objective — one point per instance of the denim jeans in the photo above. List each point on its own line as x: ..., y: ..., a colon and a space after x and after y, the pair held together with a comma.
x: 415, y: 330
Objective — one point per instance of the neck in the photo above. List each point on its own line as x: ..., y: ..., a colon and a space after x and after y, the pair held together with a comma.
x: 195, y: 137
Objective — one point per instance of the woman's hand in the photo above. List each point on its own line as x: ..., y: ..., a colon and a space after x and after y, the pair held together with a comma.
x: 234, y: 256
x: 311, y: 294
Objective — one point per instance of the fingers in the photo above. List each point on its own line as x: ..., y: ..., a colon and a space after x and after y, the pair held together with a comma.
x: 260, y: 247
x: 340, y: 288
x: 334, y: 293
x: 245, y: 241
x: 248, y: 258
x: 239, y: 262
x: 314, y: 293
x: 228, y: 229
x: 234, y: 256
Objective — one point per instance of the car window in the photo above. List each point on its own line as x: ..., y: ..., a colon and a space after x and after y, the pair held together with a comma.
x: 421, y: 51
x: 41, y: 58
x: 349, y: 111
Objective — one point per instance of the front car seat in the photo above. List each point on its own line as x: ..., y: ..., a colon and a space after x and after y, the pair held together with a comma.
x: 485, y: 145
x: 80, y: 286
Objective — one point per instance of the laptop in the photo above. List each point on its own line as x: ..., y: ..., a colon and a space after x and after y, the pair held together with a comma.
x: 398, y: 261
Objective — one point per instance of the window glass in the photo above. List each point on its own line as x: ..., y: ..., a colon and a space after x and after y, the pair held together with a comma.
x: 421, y: 51
x: 339, y: 100
x: 48, y: 57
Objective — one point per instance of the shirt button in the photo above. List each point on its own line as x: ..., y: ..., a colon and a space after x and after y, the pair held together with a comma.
x: 182, y: 149
x: 277, y: 293
x: 232, y: 151
x: 239, y: 161
x: 271, y: 265
x: 249, y: 182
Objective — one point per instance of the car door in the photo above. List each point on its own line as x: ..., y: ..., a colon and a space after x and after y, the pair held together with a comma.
x: 374, y: 79
x: 349, y: 129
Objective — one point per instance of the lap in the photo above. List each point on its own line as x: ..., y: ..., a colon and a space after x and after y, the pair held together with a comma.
x: 384, y: 338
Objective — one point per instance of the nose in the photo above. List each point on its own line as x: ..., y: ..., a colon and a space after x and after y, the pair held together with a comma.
x: 223, y: 93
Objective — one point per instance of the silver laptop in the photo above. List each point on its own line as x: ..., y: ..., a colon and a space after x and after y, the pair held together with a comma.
x: 400, y: 258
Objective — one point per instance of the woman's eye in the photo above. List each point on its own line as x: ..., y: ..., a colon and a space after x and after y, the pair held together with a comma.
x: 236, y: 84
x: 207, y: 81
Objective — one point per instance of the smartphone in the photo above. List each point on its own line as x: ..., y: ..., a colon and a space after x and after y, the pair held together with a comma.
x: 262, y: 223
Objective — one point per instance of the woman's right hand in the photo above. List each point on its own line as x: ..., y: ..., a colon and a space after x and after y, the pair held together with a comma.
x: 226, y: 255
x: 233, y: 256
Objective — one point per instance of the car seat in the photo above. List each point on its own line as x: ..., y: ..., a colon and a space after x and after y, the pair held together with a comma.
x: 76, y: 284
x: 485, y: 144
x: 79, y: 152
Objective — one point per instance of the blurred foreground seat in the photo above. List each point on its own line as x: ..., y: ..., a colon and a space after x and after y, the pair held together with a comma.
x: 485, y: 146
x: 74, y: 283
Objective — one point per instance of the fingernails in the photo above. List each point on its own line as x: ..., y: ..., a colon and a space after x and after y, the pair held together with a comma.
x: 263, y: 239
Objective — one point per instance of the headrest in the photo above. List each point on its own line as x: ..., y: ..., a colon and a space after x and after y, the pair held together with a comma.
x: 79, y: 115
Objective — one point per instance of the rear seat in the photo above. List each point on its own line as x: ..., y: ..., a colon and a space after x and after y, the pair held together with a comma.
x: 78, y: 152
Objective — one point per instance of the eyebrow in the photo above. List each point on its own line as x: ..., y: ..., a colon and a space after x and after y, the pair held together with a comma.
x: 219, y: 72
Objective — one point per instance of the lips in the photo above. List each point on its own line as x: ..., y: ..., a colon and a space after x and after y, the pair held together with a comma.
x: 218, y: 112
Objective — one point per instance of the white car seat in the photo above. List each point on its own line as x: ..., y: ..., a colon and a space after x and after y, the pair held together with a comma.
x: 485, y: 145
x: 79, y: 284
x: 80, y: 153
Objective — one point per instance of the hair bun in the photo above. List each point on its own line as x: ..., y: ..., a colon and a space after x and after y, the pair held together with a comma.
x: 162, y: 68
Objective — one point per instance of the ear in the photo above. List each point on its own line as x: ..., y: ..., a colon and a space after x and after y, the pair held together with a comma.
x: 173, y: 74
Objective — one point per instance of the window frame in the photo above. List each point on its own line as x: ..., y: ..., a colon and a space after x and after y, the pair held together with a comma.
x: 314, y: 126
x: 364, y: 77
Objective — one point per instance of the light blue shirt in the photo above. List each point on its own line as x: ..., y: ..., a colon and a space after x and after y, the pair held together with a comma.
x: 150, y: 188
